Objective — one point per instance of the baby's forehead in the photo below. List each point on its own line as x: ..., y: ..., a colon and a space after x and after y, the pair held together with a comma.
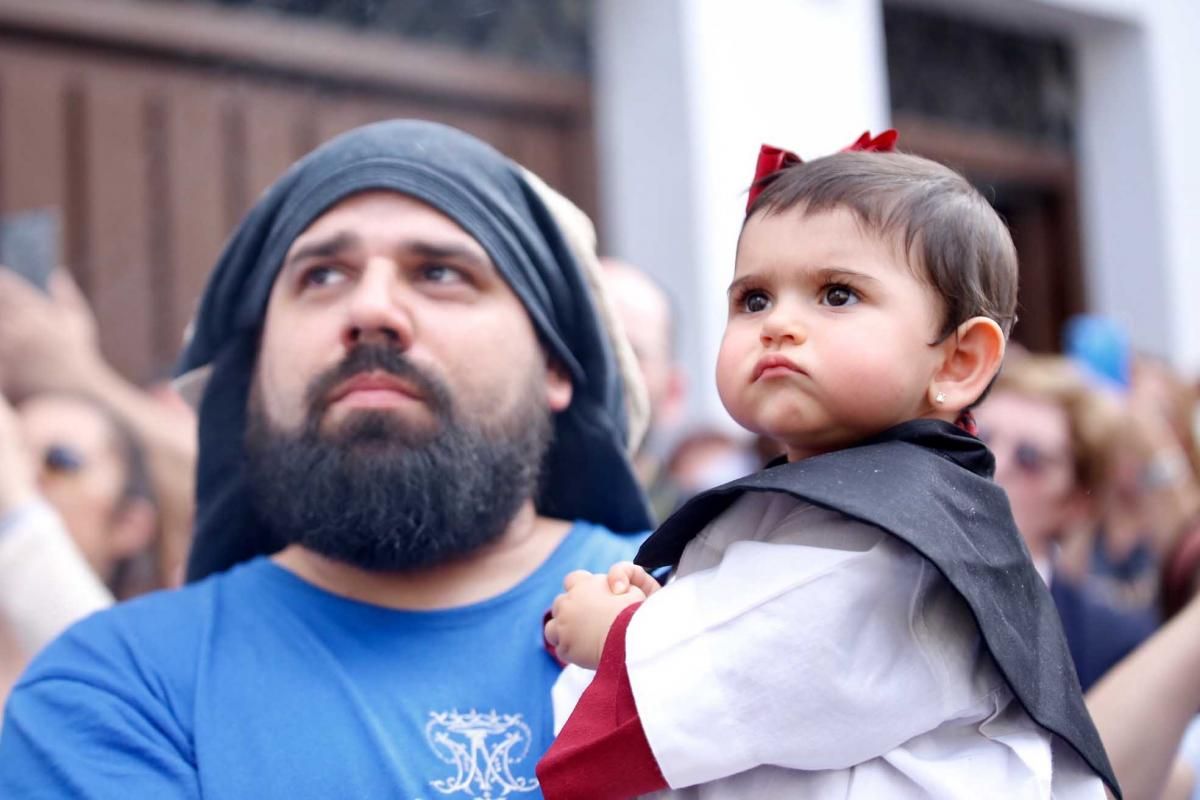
x: 800, y: 240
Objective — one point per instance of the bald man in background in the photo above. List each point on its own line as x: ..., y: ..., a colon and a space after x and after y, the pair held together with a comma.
x: 645, y: 311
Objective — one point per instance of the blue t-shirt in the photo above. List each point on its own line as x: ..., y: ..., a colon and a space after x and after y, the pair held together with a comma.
x: 256, y: 684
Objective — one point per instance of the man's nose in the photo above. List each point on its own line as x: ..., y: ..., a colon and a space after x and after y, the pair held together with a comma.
x: 783, y: 325
x: 379, y: 309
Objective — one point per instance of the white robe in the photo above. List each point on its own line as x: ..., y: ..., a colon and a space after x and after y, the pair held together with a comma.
x: 800, y: 653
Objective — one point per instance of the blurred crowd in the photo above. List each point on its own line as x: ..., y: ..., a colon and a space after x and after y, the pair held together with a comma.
x: 95, y: 473
x: 1096, y: 449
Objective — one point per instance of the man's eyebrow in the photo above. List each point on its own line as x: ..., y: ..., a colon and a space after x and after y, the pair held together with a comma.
x: 451, y: 252
x: 325, y: 248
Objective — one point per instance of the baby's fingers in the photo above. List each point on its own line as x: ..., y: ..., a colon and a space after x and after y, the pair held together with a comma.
x: 556, y: 608
x: 575, y: 577
x: 626, y: 574
x: 620, y: 575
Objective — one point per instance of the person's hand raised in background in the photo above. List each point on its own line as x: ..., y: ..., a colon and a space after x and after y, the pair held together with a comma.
x: 47, y: 341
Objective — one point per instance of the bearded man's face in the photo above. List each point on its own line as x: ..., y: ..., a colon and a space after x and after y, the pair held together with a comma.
x: 402, y: 404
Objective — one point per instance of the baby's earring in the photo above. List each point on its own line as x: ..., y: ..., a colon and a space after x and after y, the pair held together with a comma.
x: 940, y: 398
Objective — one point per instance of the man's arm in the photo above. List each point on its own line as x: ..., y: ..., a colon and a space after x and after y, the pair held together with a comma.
x: 66, y: 738
x: 89, y: 720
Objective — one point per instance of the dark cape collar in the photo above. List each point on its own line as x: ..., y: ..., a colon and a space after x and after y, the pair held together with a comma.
x: 929, y: 484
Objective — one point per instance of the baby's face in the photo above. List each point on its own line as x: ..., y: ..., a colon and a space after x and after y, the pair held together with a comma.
x: 829, y: 336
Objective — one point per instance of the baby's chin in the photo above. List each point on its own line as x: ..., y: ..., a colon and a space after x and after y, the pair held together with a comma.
x: 805, y: 446
x: 798, y: 448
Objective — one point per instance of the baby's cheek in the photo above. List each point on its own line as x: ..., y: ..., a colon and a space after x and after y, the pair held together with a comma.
x: 870, y: 389
x: 734, y: 398
x: 731, y: 385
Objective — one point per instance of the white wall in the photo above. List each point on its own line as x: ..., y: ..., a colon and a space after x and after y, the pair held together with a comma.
x: 1138, y: 76
x: 1121, y: 200
x: 686, y: 91
x: 1175, y: 66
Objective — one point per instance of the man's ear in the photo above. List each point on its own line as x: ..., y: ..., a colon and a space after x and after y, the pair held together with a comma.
x: 972, y: 356
x: 559, y: 390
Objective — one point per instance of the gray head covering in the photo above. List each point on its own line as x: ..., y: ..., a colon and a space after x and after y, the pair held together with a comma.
x: 587, y: 474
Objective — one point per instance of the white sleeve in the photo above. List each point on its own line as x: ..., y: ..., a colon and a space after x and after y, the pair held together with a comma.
x: 45, y: 582
x: 810, y: 652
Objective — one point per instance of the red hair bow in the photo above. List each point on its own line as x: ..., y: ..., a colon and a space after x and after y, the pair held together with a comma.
x: 772, y: 159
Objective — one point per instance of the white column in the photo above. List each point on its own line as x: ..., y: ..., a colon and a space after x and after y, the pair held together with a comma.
x: 1138, y: 73
x: 686, y: 91
x: 1140, y: 176
x: 1121, y: 201
x: 1176, y: 68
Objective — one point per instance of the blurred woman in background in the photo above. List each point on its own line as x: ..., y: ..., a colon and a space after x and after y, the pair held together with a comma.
x: 1055, y: 438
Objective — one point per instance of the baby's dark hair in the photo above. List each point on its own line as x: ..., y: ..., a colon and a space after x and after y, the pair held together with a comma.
x: 953, y: 238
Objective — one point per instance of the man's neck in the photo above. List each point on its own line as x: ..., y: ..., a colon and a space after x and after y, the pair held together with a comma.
x: 492, y: 570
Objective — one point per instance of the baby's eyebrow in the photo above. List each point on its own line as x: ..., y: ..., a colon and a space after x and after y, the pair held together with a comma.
x: 816, y: 275
x: 836, y: 274
x: 738, y: 283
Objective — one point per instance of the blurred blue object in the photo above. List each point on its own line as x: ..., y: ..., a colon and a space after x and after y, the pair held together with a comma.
x: 1101, y: 346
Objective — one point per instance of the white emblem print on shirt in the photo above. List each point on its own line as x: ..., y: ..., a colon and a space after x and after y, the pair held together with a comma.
x: 483, y: 748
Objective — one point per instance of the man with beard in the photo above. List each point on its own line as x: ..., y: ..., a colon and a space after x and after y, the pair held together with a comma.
x: 412, y: 428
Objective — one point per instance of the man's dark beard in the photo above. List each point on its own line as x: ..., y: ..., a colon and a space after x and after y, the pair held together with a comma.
x: 377, y: 493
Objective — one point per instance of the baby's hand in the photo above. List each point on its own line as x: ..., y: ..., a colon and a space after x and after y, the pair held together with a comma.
x: 625, y: 574
x: 583, y: 614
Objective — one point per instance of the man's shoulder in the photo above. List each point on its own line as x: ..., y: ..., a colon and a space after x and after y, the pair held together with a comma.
x: 160, y: 632
x: 123, y: 686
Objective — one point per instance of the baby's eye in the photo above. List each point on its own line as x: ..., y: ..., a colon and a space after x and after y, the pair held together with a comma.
x: 839, y: 295
x: 755, y: 301
x: 322, y: 275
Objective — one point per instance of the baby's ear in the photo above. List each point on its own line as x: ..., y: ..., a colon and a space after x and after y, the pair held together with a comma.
x: 972, y: 357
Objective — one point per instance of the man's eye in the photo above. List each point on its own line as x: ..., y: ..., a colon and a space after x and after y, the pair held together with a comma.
x: 440, y: 273
x: 756, y: 301
x: 322, y: 276
x: 839, y: 295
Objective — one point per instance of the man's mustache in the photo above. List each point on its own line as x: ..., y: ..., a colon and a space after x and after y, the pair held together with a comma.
x: 377, y: 358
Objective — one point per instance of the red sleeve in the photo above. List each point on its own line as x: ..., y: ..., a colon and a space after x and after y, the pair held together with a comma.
x: 602, y: 752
